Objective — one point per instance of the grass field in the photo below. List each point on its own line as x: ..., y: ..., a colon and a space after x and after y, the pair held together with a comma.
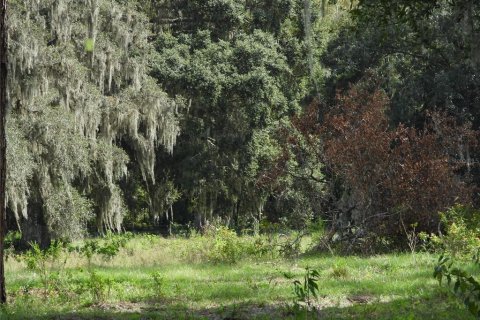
x: 157, y: 278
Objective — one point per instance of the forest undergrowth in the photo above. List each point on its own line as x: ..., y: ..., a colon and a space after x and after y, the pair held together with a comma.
x: 219, y: 276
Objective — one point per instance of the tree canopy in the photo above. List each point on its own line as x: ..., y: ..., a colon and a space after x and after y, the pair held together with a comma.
x: 141, y: 114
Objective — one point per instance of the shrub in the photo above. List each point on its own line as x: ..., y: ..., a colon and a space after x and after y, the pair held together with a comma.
x: 227, y: 246
x: 107, y: 247
x: 461, y: 237
x: 223, y: 245
x: 463, y: 284
x: 99, y: 286
x: 44, y: 262
x: 158, y: 284
x: 392, y: 174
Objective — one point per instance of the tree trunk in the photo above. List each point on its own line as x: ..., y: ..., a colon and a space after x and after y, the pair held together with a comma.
x: 3, y: 141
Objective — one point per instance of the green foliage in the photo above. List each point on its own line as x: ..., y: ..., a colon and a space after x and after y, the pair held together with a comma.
x: 67, y: 214
x: 219, y: 245
x: 79, y: 84
x: 50, y: 264
x: 424, y: 57
x: 222, y: 245
x: 45, y: 262
x: 227, y: 246
x: 158, y: 284
x: 460, y: 235
x: 465, y: 286
x: 99, y: 286
x: 107, y: 247
x: 306, y: 291
x: 241, y: 89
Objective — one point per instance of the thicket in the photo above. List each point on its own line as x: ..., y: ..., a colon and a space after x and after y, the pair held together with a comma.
x: 158, y: 114
x: 394, y: 176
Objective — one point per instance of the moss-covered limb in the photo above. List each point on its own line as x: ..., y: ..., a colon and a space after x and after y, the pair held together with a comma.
x: 79, y: 84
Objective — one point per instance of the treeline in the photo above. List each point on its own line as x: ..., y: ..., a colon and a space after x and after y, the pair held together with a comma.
x: 139, y: 114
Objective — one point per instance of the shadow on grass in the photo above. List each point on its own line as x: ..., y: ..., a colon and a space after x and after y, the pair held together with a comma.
x: 439, y: 306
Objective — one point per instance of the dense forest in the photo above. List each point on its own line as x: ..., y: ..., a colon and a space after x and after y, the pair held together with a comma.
x: 353, y: 123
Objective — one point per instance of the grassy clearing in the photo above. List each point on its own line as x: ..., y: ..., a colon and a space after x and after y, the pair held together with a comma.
x: 379, y: 287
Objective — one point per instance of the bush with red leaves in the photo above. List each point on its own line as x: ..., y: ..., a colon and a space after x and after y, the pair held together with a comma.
x: 401, y: 174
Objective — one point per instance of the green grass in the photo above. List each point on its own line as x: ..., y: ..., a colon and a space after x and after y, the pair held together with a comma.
x: 395, y: 286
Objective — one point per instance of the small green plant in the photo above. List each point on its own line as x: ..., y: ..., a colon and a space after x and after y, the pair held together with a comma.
x: 463, y: 284
x: 306, y: 290
x: 98, y: 286
x: 44, y: 262
x: 158, y: 284
x: 339, y: 272
x: 107, y: 247
x: 62, y: 283
x: 412, y: 236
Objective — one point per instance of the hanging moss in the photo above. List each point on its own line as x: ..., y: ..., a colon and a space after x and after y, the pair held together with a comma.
x: 21, y: 165
x: 70, y: 107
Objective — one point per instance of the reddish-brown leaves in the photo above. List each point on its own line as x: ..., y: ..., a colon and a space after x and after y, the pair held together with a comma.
x: 404, y: 170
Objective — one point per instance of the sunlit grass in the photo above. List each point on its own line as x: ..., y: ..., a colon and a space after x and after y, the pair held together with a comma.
x: 395, y: 286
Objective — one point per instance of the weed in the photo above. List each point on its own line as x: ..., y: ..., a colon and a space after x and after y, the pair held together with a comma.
x: 158, y: 284
x: 339, y: 272
x: 99, y: 286
x: 43, y: 262
x: 412, y: 236
x: 465, y: 286
x: 107, y: 247
x: 305, y: 291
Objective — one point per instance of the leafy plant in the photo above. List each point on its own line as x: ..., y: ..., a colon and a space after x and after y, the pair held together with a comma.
x: 107, y: 247
x: 158, y: 284
x: 461, y: 229
x: 463, y: 284
x: 63, y: 284
x: 339, y: 272
x: 43, y: 262
x: 98, y: 286
x: 305, y: 290
x: 227, y: 246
